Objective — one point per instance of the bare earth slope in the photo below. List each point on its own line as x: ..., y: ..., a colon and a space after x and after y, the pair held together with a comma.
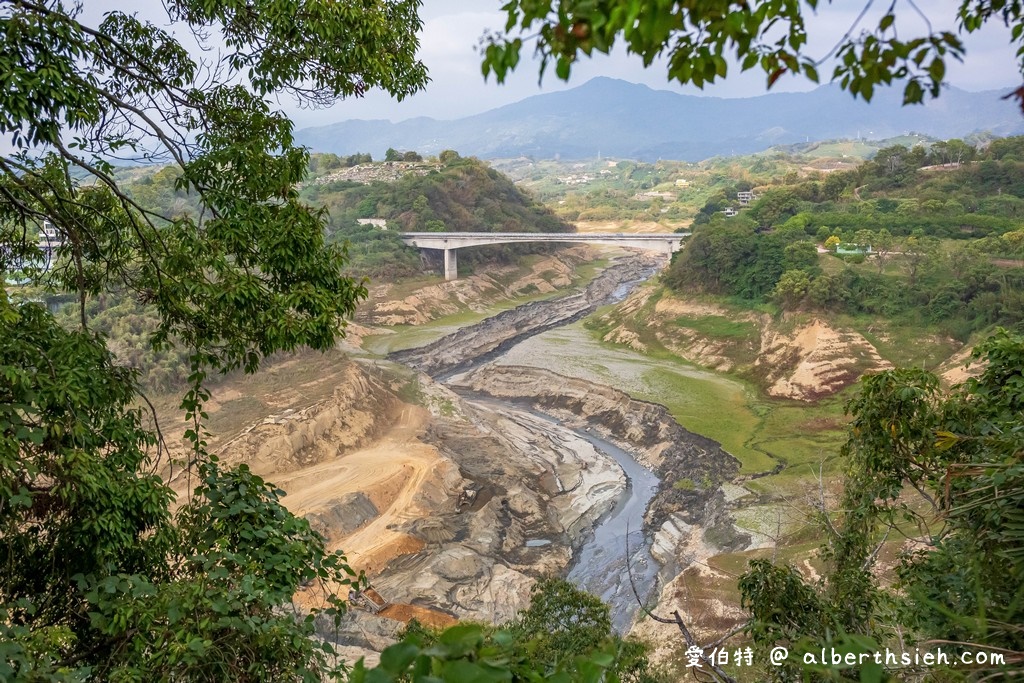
x: 793, y: 358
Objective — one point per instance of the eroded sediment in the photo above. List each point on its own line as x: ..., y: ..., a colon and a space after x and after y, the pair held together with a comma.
x: 477, y: 343
x: 645, y: 429
x: 381, y: 478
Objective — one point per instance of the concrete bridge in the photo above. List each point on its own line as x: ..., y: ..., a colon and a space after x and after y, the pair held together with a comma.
x: 667, y: 243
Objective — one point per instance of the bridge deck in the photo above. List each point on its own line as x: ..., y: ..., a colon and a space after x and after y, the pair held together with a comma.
x: 667, y: 243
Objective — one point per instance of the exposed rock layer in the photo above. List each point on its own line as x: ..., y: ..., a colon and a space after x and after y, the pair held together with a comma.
x: 691, y: 466
x: 477, y: 343
x: 809, y: 361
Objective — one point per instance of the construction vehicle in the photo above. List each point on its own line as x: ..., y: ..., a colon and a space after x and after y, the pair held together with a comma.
x: 367, y: 599
x: 466, y: 498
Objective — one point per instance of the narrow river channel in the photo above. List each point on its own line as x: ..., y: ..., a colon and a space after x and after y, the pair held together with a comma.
x: 599, y: 565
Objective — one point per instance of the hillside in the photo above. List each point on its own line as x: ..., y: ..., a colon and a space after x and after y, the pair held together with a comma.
x: 463, y: 195
x: 615, y: 118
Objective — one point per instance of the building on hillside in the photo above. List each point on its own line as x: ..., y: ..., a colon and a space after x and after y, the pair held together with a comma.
x: 49, y: 241
x: 682, y: 182
x: 730, y: 212
x: 379, y: 223
x: 745, y: 197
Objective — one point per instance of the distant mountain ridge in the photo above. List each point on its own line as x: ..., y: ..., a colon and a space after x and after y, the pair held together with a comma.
x: 627, y: 120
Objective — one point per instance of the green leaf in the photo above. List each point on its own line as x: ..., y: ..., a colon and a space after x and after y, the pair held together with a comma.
x: 397, y: 658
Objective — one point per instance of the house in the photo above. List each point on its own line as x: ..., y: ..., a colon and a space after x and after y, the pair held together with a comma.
x: 682, y: 182
x: 730, y: 212
x: 745, y: 197
x: 50, y: 240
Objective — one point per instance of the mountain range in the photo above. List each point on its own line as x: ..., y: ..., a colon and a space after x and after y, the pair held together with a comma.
x: 615, y: 118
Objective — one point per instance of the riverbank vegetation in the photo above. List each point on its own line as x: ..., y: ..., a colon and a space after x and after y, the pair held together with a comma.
x: 951, y: 264
x: 921, y: 282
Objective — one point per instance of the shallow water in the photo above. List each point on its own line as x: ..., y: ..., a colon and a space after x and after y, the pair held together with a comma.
x: 600, y: 565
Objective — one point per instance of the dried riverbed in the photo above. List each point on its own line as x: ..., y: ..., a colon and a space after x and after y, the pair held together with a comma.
x: 653, y: 453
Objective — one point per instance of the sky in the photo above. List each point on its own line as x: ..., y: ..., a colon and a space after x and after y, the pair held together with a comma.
x: 452, y: 29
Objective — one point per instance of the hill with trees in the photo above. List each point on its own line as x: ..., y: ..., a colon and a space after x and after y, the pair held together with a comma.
x: 940, y: 228
x: 462, y: 195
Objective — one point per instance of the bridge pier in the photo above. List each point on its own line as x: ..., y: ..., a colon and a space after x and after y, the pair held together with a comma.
x: 451, y: 265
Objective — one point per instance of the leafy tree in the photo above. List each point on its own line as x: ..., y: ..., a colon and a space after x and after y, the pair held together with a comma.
x: 565, y: 634
x: 801, y: 255
x: 392, y: 154
x: 448, y: 156
x: 774, y: 206
x: 893, y: 163
x: 951, y: 152
x: 562, y: 621
x: 696, y: 40
x: 959, y: 456
x: 919, y: 253
x: 883, y: 244
x: 791, y: 288
x: 835, y: 184
x: 100, y: 580
x: 862, y: 238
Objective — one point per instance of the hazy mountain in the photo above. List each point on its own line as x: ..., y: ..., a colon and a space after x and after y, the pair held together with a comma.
x: 621, y: 119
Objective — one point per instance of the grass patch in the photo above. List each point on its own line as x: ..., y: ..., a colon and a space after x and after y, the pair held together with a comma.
x: 412, y: 392
x: 719, y: 327
x: 906, y: 345
x: 717, y: 409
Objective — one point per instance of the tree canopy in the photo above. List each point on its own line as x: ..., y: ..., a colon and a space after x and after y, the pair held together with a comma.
x: 697, y: 40
x: 100, y: 580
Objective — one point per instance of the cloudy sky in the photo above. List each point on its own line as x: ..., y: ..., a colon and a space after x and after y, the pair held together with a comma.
x: 453, y: 27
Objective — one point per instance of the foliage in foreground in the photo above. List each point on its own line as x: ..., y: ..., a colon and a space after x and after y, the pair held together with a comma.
x: 564, y: 635
x: 696, y: 41
x: 944, y: 471
x: 99, y: 579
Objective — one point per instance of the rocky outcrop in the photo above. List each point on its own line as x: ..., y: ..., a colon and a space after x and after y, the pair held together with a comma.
x: 815, y: 360
x: 805, y: 362
x: 387, y: 305
x: 539, y: 491
x: 690, y: 466
x: 359, y: 410
x: 340, y: 517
